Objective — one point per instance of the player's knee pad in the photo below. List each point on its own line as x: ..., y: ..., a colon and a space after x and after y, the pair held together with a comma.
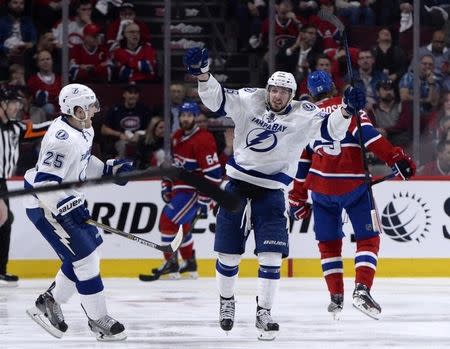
x: 230, y: 260
x: 371, y: 244
x: 330, y: 248
x: 88, y: 267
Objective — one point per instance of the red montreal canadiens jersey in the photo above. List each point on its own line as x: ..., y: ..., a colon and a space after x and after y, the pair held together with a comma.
x: 133, y: 61
x: 336, y: 168
x: 196, y: 152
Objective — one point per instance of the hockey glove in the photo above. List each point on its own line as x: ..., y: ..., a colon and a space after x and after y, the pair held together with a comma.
x: 403, y: 165
x: 72, y: 213
x: 205, y: 204
x: 299, y: 208
x: 166, y: 190
x: 196, y: 61
x: 354, y: 100
x: 114, y: 166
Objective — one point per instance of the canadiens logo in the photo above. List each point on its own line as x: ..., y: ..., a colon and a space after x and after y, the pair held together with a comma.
x: 406, y: 218
x: 261, y: 140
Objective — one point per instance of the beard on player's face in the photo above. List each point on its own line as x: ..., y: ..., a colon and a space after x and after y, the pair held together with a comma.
x: 187, y: 123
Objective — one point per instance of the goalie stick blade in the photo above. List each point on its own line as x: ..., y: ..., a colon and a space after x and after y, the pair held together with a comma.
x: 329, y: 17
x: 37, y: 316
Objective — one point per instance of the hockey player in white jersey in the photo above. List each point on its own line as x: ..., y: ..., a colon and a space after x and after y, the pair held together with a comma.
x: 61, y: 216
x: 270, y: 131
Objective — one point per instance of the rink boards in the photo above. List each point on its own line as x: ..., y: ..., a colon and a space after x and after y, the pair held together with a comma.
x: 414, y: 215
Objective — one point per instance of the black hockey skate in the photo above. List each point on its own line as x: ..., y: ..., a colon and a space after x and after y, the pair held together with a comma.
x: 107, y: 329
x: 48, y: 314
x: 188, y: 268
x: 336, y: 305
x: 169, y: 270
x: 226, y: 313
x: 8, y: 280
x: 363, y: 301
x: 267, y: 328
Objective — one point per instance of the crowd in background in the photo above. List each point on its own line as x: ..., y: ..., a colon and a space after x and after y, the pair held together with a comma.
x: 109, y: 44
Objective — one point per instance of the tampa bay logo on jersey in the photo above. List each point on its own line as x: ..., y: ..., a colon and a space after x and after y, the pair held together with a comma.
x: 261, y: 140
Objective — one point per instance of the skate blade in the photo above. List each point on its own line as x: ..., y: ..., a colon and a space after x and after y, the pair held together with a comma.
x: 374, y: 314
x: 37, y: 316
x: 113, y: 338
x: 189, y: 275
x: 8, y: 284
x: 266, y: 335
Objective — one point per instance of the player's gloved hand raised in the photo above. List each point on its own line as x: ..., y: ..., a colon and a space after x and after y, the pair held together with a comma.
x: 166, y: 190
x: 354, y: 100
x: 196, y: 61
x: 115, y: 166
x: 298, y: 207
x: 403, y: 165
x: 72, y: 213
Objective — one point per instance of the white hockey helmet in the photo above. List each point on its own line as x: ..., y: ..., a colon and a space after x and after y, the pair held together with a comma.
x: 77, y: 95
x: 282, y: 79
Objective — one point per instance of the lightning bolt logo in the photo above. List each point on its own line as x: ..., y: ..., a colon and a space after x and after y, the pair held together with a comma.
x: 63, y: 237
x: 260, y: 136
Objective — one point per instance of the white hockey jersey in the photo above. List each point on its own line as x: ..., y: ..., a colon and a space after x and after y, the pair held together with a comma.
x: 267, y: 146
x: 65, y: 156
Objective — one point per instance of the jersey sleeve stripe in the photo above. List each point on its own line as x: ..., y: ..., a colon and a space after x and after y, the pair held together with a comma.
x: 324, y: 129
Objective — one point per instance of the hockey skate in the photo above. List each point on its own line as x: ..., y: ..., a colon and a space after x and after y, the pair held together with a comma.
x: 188, y: 268
x: 170, y: 270
x: 336, y: 305
x: 8, y: 280
x: 226, y: 313
x: 107, y: 329
x: 363, y: 301
x: 48, y: 314
x: 267, y: 328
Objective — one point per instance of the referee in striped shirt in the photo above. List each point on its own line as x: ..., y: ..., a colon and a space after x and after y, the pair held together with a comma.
x: 12, y: 133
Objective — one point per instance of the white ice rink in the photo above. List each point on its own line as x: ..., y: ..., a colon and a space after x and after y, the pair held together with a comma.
x: 184, y: 314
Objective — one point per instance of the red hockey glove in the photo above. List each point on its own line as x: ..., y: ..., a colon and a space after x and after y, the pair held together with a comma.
x: 402, y: 164
x: 299, y: 208
x: 166, y: 190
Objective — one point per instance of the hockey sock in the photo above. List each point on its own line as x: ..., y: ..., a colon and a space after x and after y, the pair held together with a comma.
x: 187, y: 246
x: 332, y: 265
x: 226, y: 275
x: 268, y: 278
x: 366, y: 260
x: 64, y: 284
x: 167, y: 237
x: 92, y: 297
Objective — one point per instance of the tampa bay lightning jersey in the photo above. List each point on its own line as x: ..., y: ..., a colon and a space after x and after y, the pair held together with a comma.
x: 267, y: 145
x: 65, y: 156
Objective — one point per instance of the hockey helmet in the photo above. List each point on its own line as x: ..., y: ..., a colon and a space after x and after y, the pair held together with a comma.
x: 282, y: 79
x: 77, y: 95
x: 189, y: 107
x: 319, y: 82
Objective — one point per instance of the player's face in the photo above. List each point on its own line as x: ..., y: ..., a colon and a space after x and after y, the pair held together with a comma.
x: 278, y: 97
x: 187, y: 121
x: 86, y: 116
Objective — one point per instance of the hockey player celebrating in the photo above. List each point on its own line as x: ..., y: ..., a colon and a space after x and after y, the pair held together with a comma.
x: 193, y: 149
x: 61, y: 216
x: 336, y: 179
x: 270, y: 129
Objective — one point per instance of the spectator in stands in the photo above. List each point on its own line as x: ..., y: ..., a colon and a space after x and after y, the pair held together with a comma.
x: 124, y: 119
x: 90, y: 61
x: 356, y: 12
x: 48, y: 12
x: 150, y: 146
x: 367, y: 77
x: 306, y: 8
x: 300, y: 57
x: 387, y: 115
x: 135, y: 59
x: 389, y: 58
x: 439, y: 121
x: 17, y: 83
x: 177, y: 98
x: 328, y: 34
x: 17, y: 32
x: 386, y: 12
x: 429, y: 89
x: 47, y: 43
x: 445, y: 83
x: 127, y: 14
x: 440, y: 166
x: 75, y: 26
x: 45, y: 86
x: 437, y: 49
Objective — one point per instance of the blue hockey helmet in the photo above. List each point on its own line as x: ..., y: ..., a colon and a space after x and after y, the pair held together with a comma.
x: 189, y: 107
x: 319, y: 82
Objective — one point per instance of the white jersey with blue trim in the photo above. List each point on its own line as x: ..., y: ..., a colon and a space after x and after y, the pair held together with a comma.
x: 65, y: 156
x: 267, y: 145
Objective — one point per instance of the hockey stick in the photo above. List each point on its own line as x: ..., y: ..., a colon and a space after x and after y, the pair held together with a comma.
x: 225, y: 199
x: 171, y: 248
x: 382, y: 179
x: 330, y: 17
